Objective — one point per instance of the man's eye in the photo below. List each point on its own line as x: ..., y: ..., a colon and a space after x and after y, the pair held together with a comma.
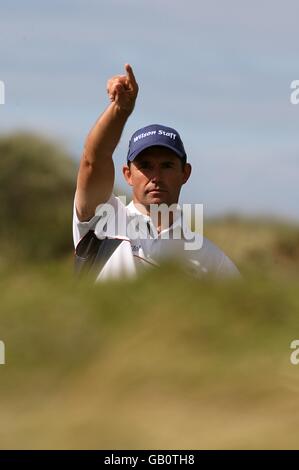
x: 167, y: 165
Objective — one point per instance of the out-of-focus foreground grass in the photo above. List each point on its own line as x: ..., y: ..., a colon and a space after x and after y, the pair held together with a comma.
x: 164, y: 361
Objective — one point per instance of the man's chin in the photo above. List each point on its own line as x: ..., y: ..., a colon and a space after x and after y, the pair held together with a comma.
x: 155, y: 198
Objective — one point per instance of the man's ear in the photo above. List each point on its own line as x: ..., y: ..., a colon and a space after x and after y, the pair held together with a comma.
x: 187, y: 172
x: 127, y: 174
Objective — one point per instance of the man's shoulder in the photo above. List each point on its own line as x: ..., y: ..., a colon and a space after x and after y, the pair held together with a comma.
x: 213, y: 260
x: 110, y: 209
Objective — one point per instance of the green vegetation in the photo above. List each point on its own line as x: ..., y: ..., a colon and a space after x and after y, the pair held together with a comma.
x: 37, y: 183
x: 164, y: 361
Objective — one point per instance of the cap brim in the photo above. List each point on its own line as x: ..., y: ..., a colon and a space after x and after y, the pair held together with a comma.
x: 146, y: 146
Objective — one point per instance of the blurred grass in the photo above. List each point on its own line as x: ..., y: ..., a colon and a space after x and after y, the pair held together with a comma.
x: 164, y: 361
x: 37, y: 184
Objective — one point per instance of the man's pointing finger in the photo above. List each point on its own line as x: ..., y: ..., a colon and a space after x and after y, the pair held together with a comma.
x: 130, y: 74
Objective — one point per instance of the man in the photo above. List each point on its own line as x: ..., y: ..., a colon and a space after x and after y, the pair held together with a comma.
x: 120, y: 239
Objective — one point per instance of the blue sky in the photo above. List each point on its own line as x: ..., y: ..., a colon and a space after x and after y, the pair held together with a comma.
x: 217, y: 71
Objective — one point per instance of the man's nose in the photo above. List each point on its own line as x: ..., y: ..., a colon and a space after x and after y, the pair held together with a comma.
x: 156, y: 174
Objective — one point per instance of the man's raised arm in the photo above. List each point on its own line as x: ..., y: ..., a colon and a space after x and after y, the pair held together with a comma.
x: 96, y: 172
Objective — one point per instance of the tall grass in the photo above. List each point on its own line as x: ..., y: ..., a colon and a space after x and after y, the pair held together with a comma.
x: 165, y: 361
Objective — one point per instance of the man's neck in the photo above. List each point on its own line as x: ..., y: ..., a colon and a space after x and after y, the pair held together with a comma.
x: 159, y: 220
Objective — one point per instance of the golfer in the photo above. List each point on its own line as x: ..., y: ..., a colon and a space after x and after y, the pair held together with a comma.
x: 116, y: 239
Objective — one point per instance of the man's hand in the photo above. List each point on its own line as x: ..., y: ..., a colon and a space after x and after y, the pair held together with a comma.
x: 123, y: 90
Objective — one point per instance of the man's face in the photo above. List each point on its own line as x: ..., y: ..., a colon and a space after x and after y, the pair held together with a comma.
x: 156, y: 176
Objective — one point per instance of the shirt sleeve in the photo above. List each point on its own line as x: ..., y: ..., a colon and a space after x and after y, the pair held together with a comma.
x: 80, y: 229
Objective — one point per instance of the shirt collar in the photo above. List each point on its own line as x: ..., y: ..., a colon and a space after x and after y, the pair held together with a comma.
x: 177, y: 214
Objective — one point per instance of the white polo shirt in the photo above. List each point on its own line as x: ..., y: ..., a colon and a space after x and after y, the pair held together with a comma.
x: 142, y: 247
